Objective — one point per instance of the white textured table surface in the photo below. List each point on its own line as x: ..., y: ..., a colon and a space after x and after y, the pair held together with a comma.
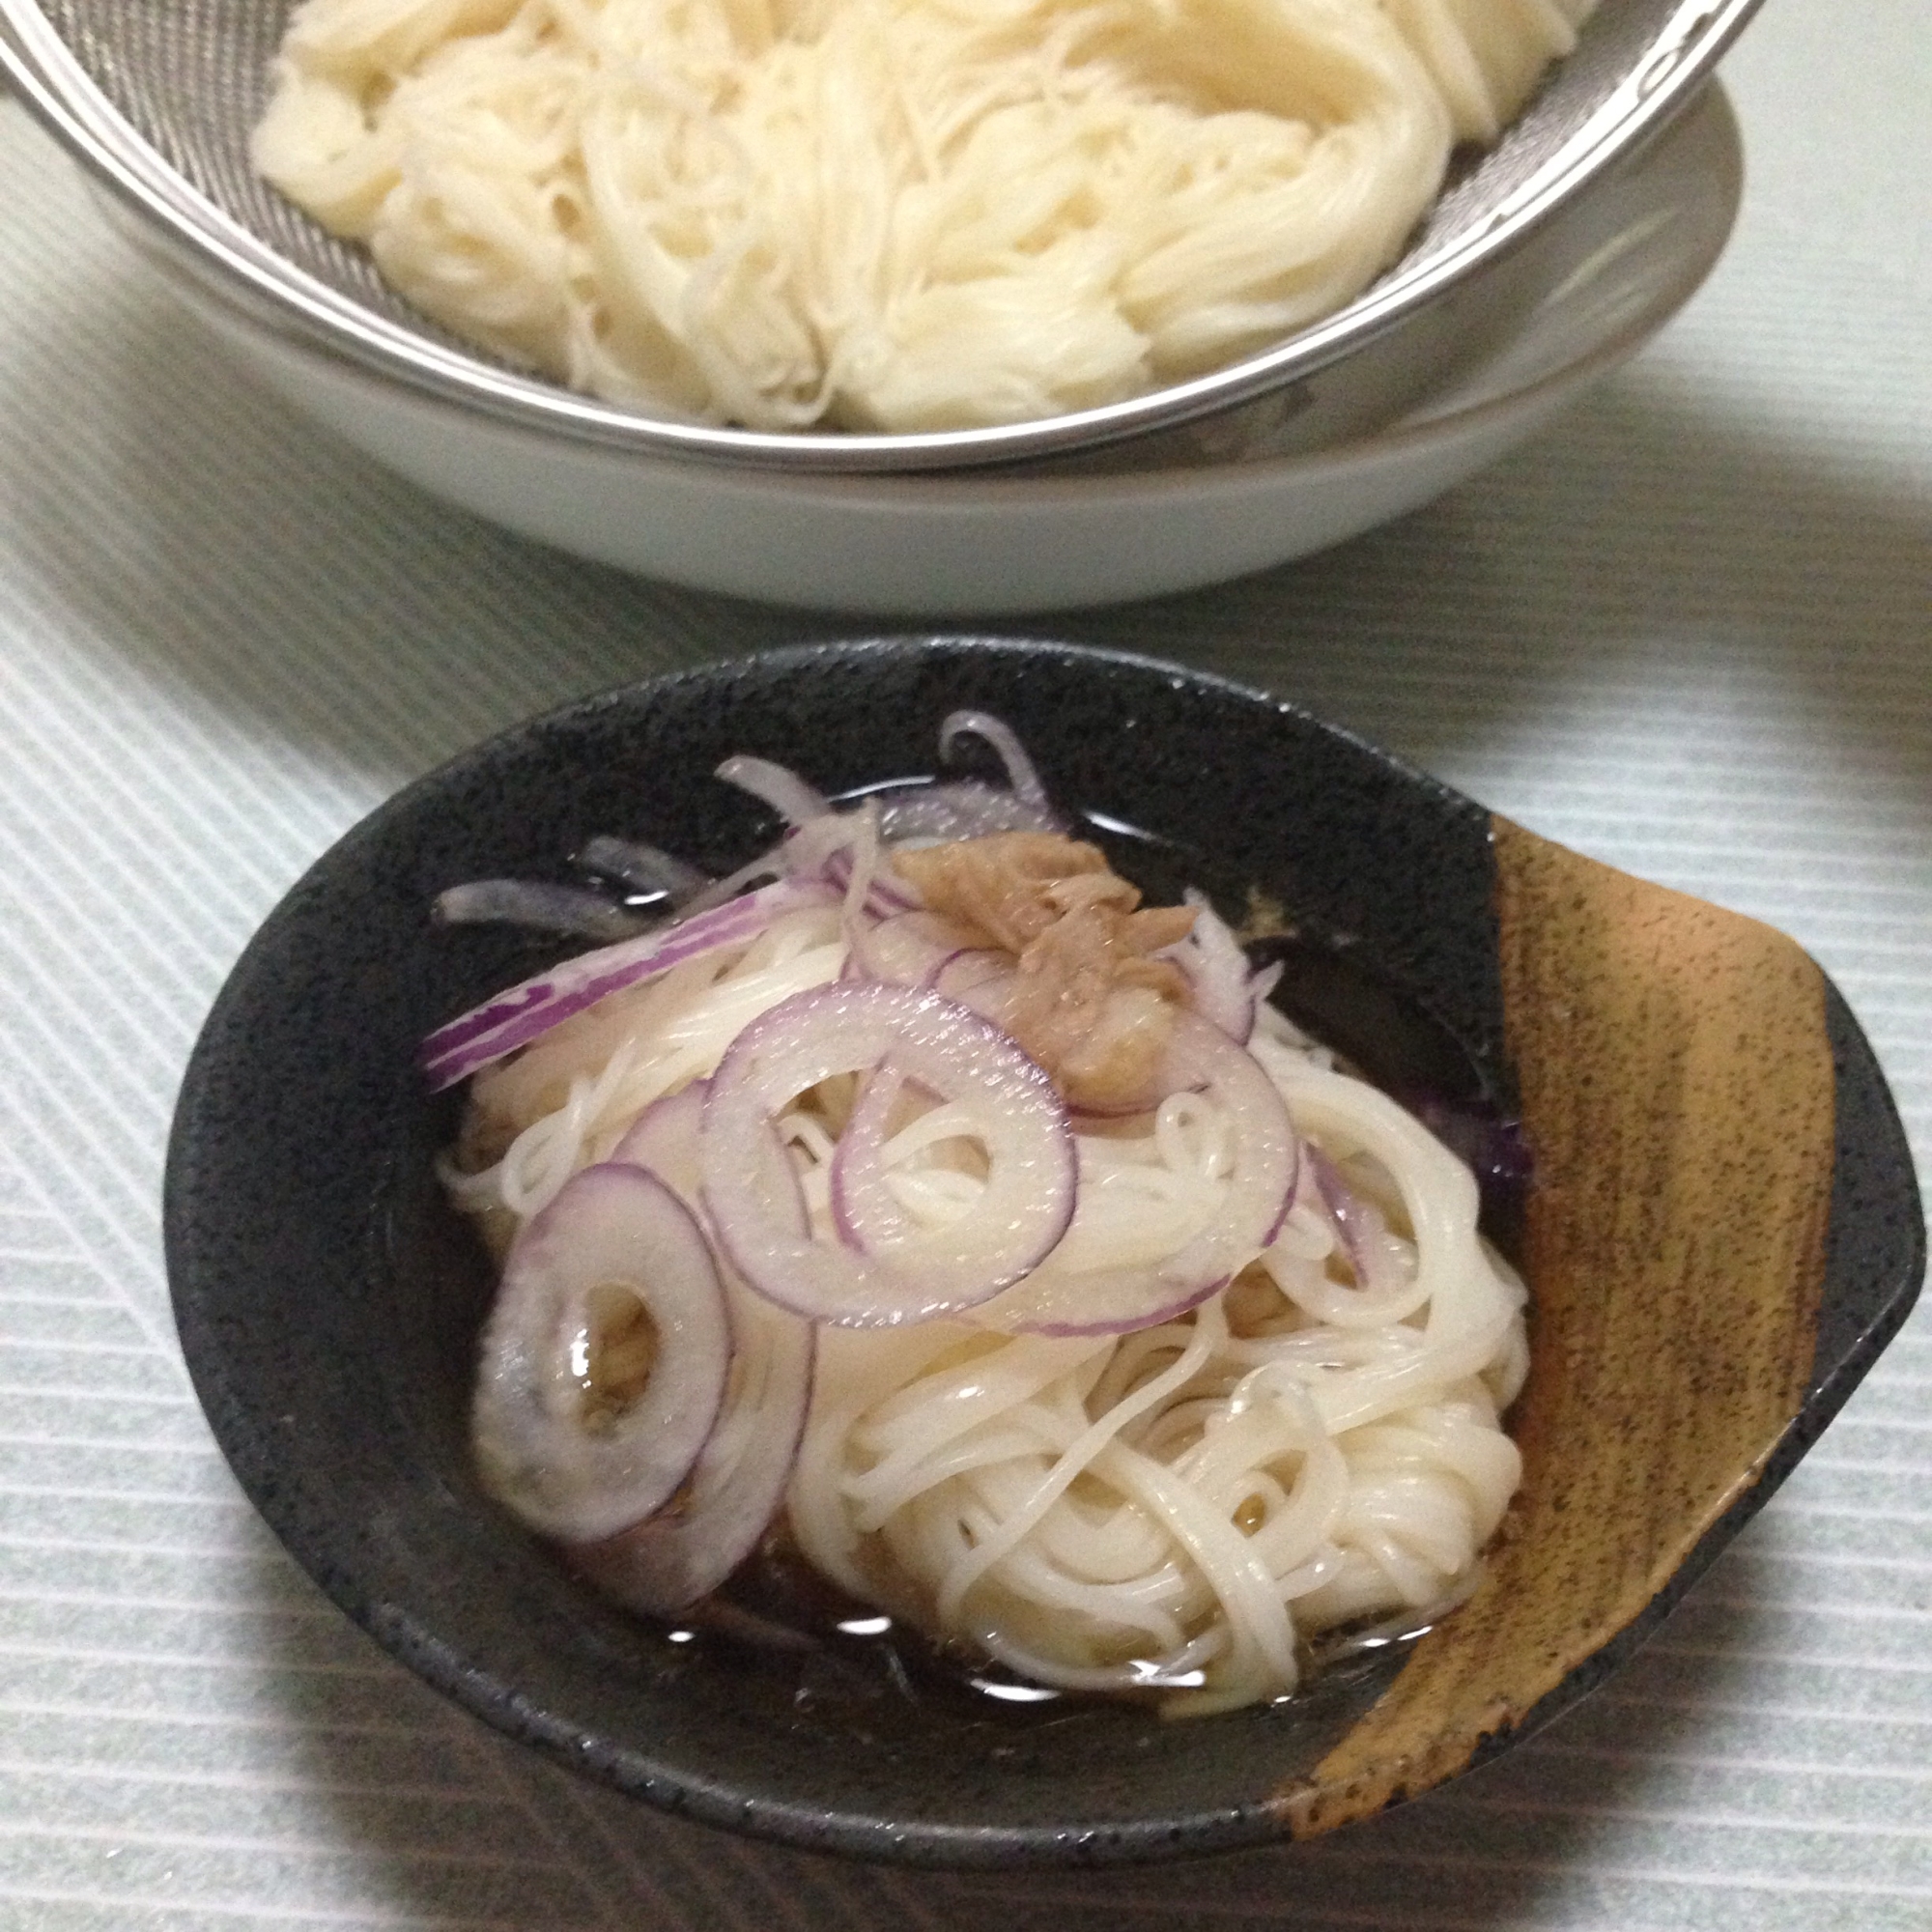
x: 1689, y: 631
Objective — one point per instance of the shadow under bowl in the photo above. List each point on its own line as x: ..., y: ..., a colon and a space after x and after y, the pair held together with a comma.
x: 1721, y: 1231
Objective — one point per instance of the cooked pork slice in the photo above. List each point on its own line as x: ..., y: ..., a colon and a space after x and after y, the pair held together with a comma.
x: 1086, y: 1000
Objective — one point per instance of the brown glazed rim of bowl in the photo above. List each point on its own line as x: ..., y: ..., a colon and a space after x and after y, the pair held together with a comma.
x: 1723, y: 1233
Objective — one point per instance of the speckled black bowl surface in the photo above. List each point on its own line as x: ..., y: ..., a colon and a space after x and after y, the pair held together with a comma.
x: 328, y: 1300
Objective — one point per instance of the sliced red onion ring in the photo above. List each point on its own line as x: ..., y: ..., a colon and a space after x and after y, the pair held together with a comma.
x: 1020, y: 773
x: 1260, y: 983
x: 864, y: 1209
x: 663, y: 1139
x: 693, y: 1543
x: 1260, y: 1190
x: 573, y: 911
x: 528, y: 1010
x: 644, y: 868
x: 1095, y: 1301
x: 981, y: 978
x: 690, y: 1546
x: 960, y: 809
x: 1218, y: 977
x: 908, y: 948
x: 750, y: 1191
x: 608, y: 1226
x: 781, y: 788
x: 1358, y: 1224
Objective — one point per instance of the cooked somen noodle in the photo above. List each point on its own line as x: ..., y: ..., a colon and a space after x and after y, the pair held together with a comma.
x: 920, y: 1198
x: 886, y: 214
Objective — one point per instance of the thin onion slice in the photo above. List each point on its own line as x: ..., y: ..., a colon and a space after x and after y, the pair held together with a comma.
x: 886, y: 893
x: 575, y: 912
x: 690, y: 1546
x: 864, y: 1209
x: 528, y: 1010
x: 663, y: 1139
x: 828, y: 847
x: 750, y: 1191
x: 1218, y: 977
x: 932, y: 814
x: 908, y: 948
x: 646, y: 869
x: 1021, y: 774
x: 666, y: 1564
x: 1262, y: 982
x: 1266, y: 1165
x: 781, y: 788
x: 950, y: 809
x: 762, y: 870
x: 1359, y: 1228
x: 981, y: 979
x: 610, y: 1228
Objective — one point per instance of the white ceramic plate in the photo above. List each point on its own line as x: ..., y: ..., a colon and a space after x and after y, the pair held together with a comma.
x: 1583, y: 295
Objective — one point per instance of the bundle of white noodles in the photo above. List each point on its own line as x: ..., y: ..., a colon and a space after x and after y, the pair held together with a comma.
x: 886, y: 214
x: 1180, y: 1507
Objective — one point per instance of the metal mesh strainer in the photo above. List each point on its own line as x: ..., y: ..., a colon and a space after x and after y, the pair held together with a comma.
x: 159, y: 100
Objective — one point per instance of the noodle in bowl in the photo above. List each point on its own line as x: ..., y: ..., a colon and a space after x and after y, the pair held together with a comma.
x: 1159, y: 1366
x: 1184, y: 1509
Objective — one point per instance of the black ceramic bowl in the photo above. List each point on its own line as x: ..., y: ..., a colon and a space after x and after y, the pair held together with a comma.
x: 1721, y: 1233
